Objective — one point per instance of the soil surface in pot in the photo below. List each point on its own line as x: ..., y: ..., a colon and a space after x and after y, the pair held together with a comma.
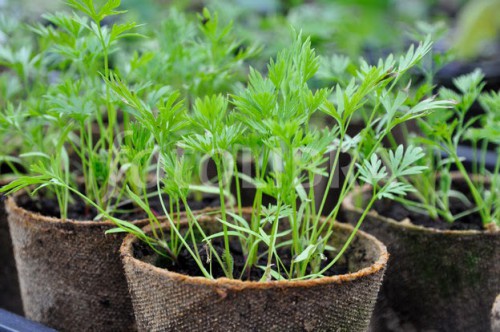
x: 187, y: 266
x: 399, y: 212
x: 78, y: 210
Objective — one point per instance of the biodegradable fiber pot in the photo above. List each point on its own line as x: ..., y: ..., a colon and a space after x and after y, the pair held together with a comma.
x: 167, y: 301
x: 70, y: 272
x: 436, y: 280
x: 495, y: 315
x: 10, y: 295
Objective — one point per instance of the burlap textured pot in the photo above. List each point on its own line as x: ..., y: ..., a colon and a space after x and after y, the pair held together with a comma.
x: 436, y: 280
x: 10, y: 295
x: 495, y: 315
x: 167, y: 301
x: 70, y: 272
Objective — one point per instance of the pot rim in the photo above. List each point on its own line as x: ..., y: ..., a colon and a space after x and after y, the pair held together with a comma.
x: 348, y: 204
x: 12, y: 207
x: 239, y: 285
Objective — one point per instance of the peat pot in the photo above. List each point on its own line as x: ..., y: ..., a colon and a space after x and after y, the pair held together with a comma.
x: 164, y: 300
x: 436, y: 280
x: 10, y: 295
x: 495, y: 315
x: 70, y: 273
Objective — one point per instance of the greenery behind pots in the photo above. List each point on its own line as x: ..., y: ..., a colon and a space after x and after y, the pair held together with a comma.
x: 92, y: 143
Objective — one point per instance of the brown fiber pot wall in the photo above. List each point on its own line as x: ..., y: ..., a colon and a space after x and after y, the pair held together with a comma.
x: 70, y: 272
x: 168, y: 301
x: 495, y: 315
x: 10, y: 294
x: 436, y: 280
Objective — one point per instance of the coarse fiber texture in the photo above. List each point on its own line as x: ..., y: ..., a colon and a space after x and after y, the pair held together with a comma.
x: 436, y: 280
x: 167, y: 301
x: 495, y: 315
x: 70, y: 272
x: 10, y: 294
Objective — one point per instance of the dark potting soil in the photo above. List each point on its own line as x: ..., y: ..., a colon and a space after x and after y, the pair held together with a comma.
x: 131, y: 212
x: 399, y: 212
x: 78, y: 210
x: 187, y: 266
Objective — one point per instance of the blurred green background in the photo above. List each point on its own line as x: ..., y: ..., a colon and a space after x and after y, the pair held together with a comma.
x: 350, y: 27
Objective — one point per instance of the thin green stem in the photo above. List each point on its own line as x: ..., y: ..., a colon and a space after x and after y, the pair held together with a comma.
x: 483, y: 211
x: 237, y: 185
x: 272, y: 241
x: 222, y: 197
x: 353, y: 233
x: 333, y: 169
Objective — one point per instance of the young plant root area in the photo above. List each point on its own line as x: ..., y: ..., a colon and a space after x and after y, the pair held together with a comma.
x: 398, y: 212
x: 79, y: 211
x: 187, y: 266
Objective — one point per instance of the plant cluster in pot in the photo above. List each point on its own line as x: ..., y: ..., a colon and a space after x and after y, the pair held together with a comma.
x: 278, y: 267
x: 70, y: 272
x: 337, y: 69
x: 444, y: 238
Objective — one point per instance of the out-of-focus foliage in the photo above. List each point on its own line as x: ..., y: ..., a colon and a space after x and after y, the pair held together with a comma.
x: 478, y: 29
